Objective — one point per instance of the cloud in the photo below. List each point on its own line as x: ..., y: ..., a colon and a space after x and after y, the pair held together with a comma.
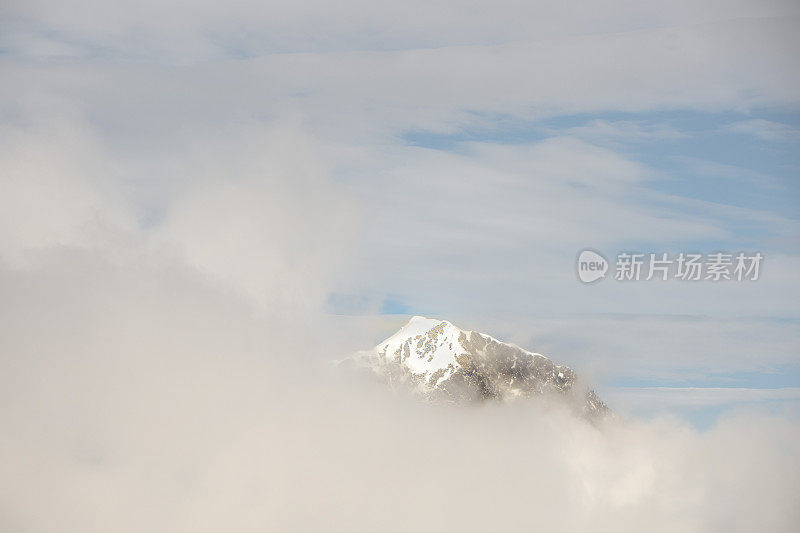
x: 169, y: 236
x: 273, y: 229
x: 686, y: 349
x: 51, y: 191
x: 765, y: 130
x: 378, y: 94
x: 142, y: 388
x: 624, y: 130
x: 309, y: 142
x: 141, y: 397
x: 167, y: 31
x: 514, y: 217
x: 668, y: 397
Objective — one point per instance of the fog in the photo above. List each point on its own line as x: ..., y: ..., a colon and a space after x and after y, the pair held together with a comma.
x: 134, y: 399
x: 141, y: 392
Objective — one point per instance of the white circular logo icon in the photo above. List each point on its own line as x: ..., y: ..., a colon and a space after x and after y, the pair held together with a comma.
x: 591, y: 266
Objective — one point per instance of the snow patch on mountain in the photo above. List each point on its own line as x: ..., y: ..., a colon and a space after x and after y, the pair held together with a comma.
x: 439, y: 359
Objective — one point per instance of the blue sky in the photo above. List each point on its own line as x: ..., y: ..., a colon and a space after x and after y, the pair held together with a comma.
x: 685, y: 141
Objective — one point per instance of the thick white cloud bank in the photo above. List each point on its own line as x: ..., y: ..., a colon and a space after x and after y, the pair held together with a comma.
x: 139, y: 398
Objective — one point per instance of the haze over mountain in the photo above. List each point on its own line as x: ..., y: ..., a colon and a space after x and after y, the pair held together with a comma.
x: 443, y: 362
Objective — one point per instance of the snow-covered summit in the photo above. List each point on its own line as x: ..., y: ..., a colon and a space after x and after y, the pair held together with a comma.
x: 442, y: 360
x: 426, y: 347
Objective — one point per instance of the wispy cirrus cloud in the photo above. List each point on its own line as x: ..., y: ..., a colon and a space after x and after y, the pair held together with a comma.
x: 765, y: 130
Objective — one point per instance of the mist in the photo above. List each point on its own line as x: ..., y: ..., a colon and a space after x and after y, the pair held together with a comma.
x: 135, y: 400
x: 151, y: 394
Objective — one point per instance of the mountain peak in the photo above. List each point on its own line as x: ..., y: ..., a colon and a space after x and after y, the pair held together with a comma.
x: 440, y: 360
